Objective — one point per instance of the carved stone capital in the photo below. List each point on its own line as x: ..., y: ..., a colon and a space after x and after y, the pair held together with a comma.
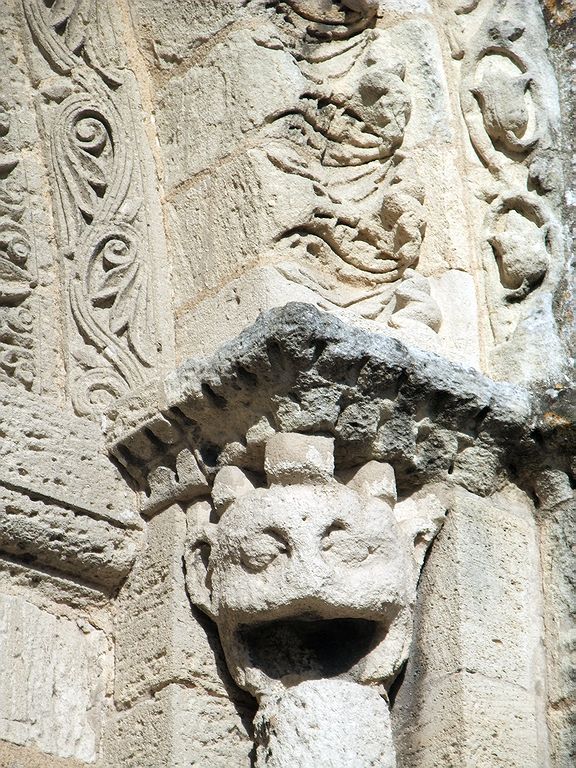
x: 316, y: 462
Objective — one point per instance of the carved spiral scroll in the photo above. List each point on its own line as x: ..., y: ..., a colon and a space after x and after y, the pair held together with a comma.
x: 98, y: 189
x: 109, y: 289
x: 91, y: 160
x: 17, y: 265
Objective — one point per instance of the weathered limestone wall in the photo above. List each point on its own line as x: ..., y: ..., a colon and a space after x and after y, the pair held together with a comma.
x: 486, y: 680
x: 177, y: 705
x: 283, y: 201
x: 57, y: 670
x: 346, y: 536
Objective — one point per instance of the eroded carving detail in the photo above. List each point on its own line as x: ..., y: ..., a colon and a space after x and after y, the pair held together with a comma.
x: 345, y: 136
x: 321, y: 20
x: 311, y: 579
x: 509, y: 101
x: 100, y: 202
x: 17, y: 269
x: 504, y: 90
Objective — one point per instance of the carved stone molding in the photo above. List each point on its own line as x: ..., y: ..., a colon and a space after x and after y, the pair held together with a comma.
x: 509, y: 101
x: 298, y: 369
x: 319, y: 20
x: 359, y: 246
x: 17, y: 264
x: 102, y: 200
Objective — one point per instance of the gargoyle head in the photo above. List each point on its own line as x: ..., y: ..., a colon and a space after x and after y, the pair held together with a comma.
x: 310, y: 576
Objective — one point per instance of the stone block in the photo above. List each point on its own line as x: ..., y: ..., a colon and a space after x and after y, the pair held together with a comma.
x: 291, y: 457
x: 558, y: 532
x: 54, y: 455
x: 466, y: 721
x: 324, y: 722
x: 178, y: 728
x: 158, y: 639
x: 241, y: 85
x: 53, y: 680
x: 52, y: 535
x: 476, y: 666
x: 165, y: 35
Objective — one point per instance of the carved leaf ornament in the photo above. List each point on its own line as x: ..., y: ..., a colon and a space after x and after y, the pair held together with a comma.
x: 509, y: 103
x: 99, y: 200
x: 16, y: 271
x: 116, y: 280
x: 15, y: 281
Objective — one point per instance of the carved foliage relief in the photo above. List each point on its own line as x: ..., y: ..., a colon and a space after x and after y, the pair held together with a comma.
x: 17, y: 265
x: 100, y: 200
x: 509, y: 102
x: 361, y: 244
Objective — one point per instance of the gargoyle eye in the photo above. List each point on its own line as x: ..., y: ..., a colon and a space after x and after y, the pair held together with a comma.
x: 263, y: 549
x: 334, y: 527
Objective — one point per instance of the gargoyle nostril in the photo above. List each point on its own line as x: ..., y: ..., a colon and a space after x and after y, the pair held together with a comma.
x: 279, y: 538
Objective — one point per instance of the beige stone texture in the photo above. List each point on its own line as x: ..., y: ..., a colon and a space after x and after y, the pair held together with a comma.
x: 52, y: 510
x: 58, y: 537
x: 286, y: 372
x: 31, y: 355
x: 325, y: 722
x: 291, y: 458
x: 54, y: 680
x: 12, y: 756
x: 558, y: 539
x: 158, y: 639
x: 179, y: 727
x: 474, y: 690
x: 56, y: 456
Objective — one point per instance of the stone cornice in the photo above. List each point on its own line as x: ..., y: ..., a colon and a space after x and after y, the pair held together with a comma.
x: 298, y: 369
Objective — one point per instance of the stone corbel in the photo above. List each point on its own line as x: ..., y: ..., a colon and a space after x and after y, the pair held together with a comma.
x: 316, y: 462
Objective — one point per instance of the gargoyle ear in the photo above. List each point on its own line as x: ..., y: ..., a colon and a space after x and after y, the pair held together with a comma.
x: 420, y: 517
x: 377, y: 479
x: 229, y: 484
x: 197, y: 552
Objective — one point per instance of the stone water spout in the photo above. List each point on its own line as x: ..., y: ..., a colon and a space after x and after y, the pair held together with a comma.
x: 311, y: 581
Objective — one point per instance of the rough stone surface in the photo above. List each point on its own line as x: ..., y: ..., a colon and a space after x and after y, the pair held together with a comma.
x: 179, y: 727
x: 57, y: 537
x: 485, y: 681
x: 325, y: 722
x: 303, y: 370
x: 51, y: 454
x: 285, y: 287
x: 558, y: 531
x: 52, y: 511
x: 158, y: 640
x: 12, y: 756
x: 53, y: 681
x: 311, y: 579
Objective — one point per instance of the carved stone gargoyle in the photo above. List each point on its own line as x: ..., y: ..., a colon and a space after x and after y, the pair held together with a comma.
x: 311, y: 581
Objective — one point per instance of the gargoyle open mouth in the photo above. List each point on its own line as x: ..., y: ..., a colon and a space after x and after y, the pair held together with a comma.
x: 304, y: 647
